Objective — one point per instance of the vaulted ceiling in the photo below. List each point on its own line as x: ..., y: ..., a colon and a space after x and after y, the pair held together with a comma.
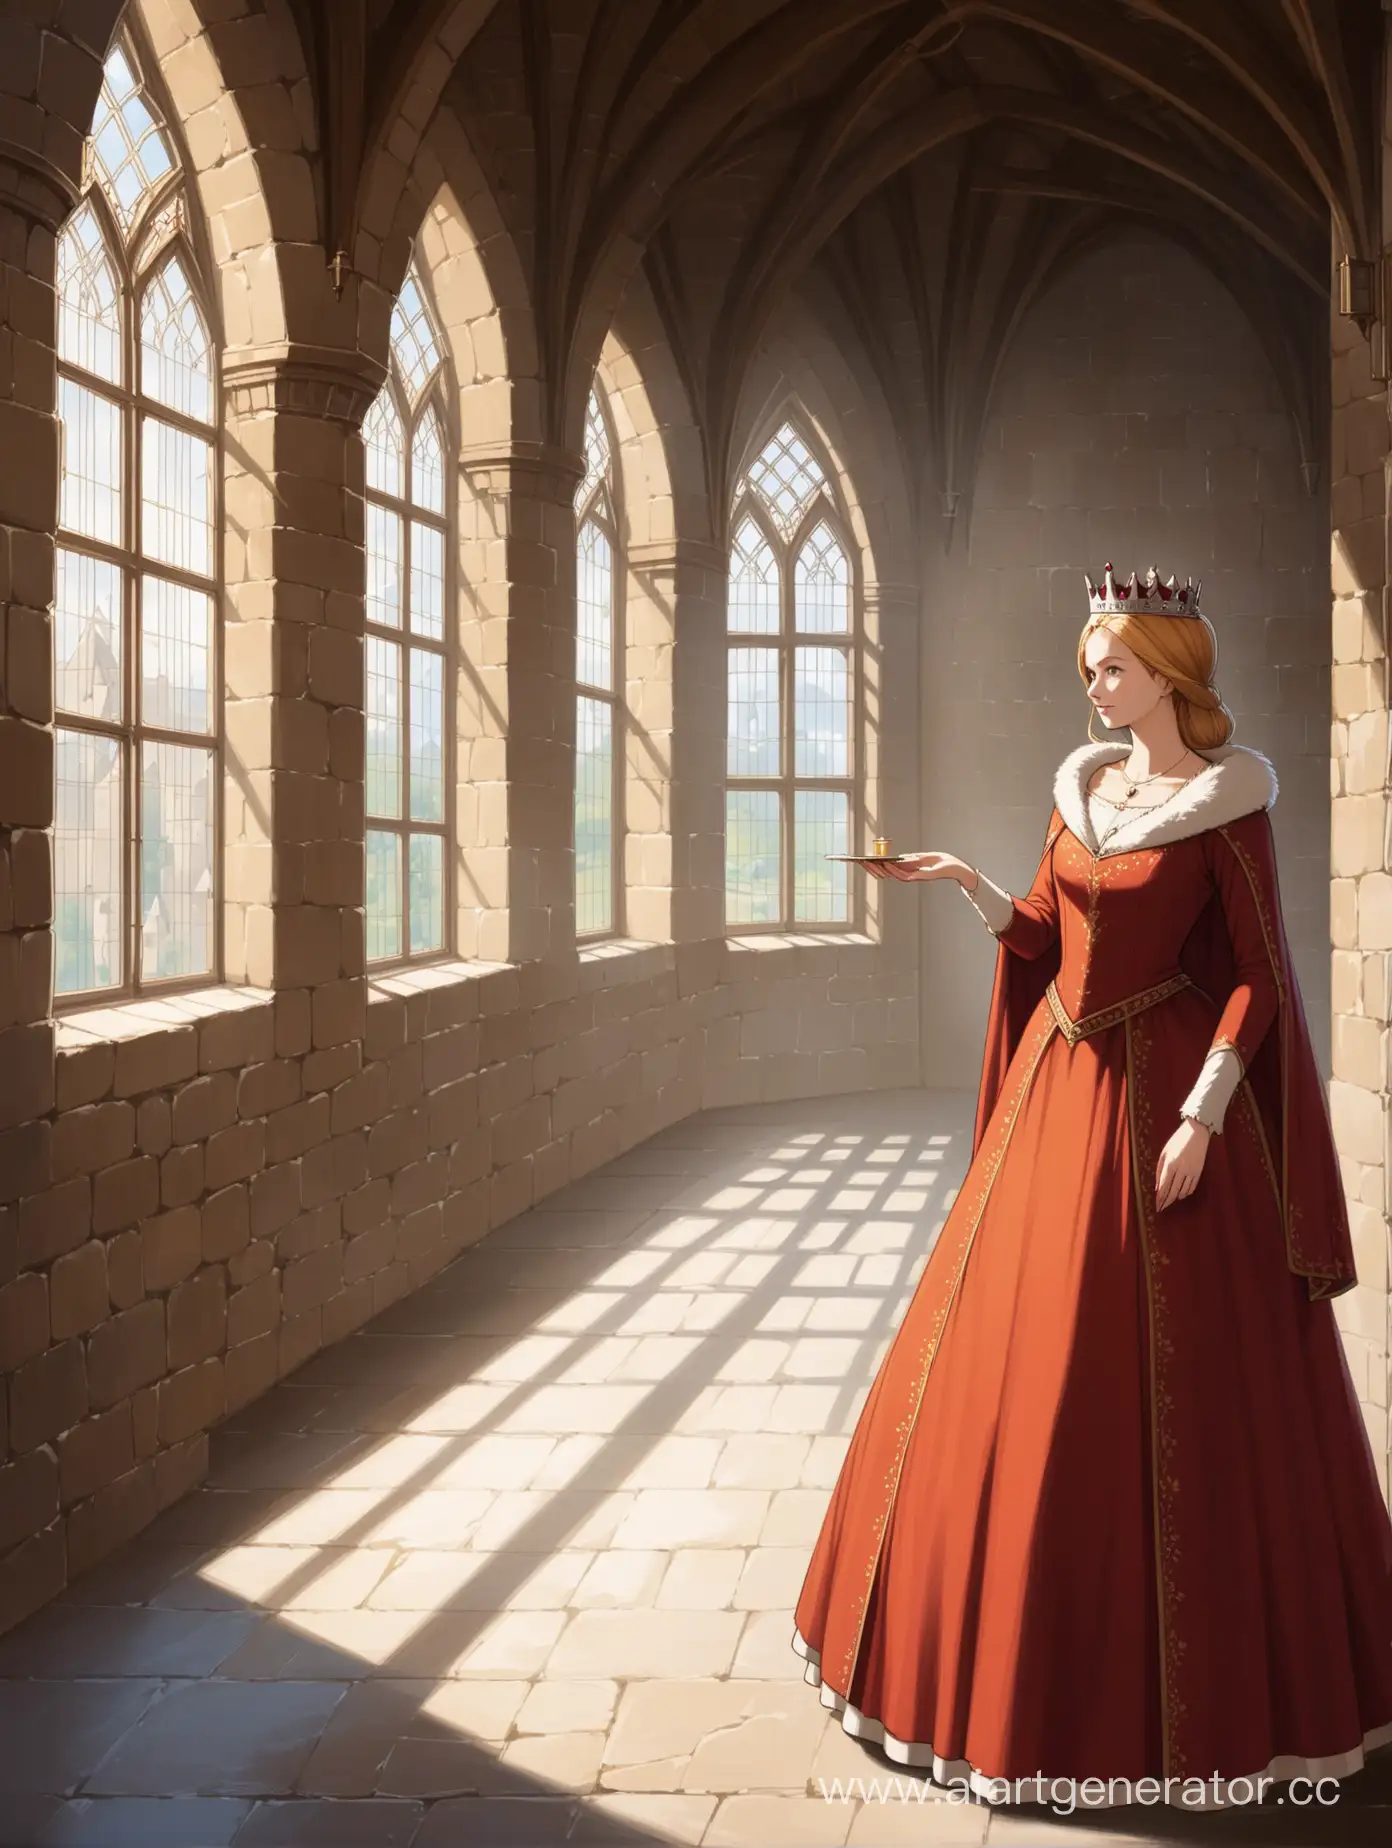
x: 737, y: 148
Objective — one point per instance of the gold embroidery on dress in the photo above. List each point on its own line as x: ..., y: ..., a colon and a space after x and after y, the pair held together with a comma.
x: 1165, y: 1482
x: 1075, y: 1030
x: 904, y: 1430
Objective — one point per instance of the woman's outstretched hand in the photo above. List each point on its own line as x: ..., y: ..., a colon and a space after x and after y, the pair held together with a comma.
x: 921, y: 866
x: 1181, y: 1163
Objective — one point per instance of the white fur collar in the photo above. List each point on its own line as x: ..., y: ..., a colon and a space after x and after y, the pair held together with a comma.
x: 1237, y: 782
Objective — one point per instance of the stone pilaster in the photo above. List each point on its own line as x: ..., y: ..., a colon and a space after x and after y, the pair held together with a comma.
x: 516, y: 751
x: 294, y: 668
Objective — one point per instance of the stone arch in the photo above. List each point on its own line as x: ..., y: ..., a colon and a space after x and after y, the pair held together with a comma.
x: 249, y: 144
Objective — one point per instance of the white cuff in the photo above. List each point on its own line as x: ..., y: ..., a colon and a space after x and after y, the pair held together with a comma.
x: 994, y: 907
x: 1207, y: 1103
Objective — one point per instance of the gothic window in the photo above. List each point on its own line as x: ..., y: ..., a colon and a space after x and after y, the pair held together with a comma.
x: 597, y: 666
x: 793, y: 637
x: 409, y: 682
x: 137, y: 685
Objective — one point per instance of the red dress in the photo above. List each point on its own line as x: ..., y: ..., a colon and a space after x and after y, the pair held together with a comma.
x: 1110, y: 1509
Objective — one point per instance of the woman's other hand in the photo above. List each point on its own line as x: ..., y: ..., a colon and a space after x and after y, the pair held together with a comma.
x: 917, y: 867
x: 1181, y: 1163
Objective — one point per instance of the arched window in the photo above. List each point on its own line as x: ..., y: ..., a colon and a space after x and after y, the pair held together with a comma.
x: 597, y: 710
x: 793, y: 624
x: 410, y: 517
x: 136, y: 646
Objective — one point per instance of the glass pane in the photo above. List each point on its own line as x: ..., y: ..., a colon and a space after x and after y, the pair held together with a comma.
x: 90, y: 446
x: 753, y: 600
x: 413, y: 338
x: 753, y: 856
x: 176, y: 652
x: 383, y: 894
x: 596, y: 451
x: 88, y: 836
x: 176, y: 861
x: 594, y: 573
x: 176, y: 482
x: 427, y: 581
x: 175, y: 366
x: 428, y: 466
x: 383, y: 566
x: 427, y: 736
x: 823, y: 585
x: 786, y: 476
x: 383, y: 727
x: 594, y: 816
x: 89, y: 302
x: 752, y: 738
x: 821, y: 889
x: 385, y: 443
x: 87, y: 637
x: 427, y: 893
x: 822, y: 712
x: 129, y: 150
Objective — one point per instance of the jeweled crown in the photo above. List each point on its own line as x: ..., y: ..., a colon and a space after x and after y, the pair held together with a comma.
x: 1140, y: 596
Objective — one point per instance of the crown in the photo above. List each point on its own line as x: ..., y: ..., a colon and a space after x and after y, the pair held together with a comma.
x: 1142, y: 596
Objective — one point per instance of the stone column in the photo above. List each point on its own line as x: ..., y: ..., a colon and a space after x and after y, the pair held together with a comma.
x: 294, y: 826
x: 517, y: 703
x: 33, y: 203
x: 675, y: 699
x: 1361, y: 857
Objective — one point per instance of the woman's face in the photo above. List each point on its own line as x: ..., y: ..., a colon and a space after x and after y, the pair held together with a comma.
x: 1119, y: 683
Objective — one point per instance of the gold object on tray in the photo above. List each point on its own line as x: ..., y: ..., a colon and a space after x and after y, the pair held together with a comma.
x: 880, y: 846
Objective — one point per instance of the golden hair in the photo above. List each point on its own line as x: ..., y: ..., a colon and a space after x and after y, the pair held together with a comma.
x: 1181, y: 648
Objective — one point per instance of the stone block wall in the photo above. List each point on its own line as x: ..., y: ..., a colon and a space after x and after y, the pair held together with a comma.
x: 1135, y: 419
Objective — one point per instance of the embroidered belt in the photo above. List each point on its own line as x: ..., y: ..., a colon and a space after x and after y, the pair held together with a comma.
x: 1074, y: 1030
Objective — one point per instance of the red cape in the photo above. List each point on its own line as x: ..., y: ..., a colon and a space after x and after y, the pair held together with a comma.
x: 1283, y: 1075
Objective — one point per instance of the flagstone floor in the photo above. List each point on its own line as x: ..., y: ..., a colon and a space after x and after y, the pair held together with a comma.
x: 516, y: 1564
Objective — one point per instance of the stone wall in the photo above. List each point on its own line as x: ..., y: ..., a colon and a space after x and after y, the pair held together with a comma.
x: 1135, y: 419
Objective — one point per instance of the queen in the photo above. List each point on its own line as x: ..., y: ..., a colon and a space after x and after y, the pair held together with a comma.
x: 1110, y: 1510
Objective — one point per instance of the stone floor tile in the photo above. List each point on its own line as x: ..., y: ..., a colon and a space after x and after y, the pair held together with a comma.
x: 771, y: 1747
x: 620, y: 1581
x: 348, y: 1757
x: 146, y: 1822
x: 624, y: 1819
x: 664, y: 1518
x: 555, y: 1230
x: 363, y: 1823
x: 285, y: 1460
x: 668, y: 1717
x: 483, y: 1581
x: 53, y: 1733
x: 514, y: 1643
x: 497, y: 1460
x: 445, y: 1767
x: 757, y: 1821
x: 290, y: 1649
x: 825, y: 1456
x: 234, y: 1577
x: 569, y: 1706
x: 766, y: 1650
x: 427, y: 1517
x: 501, y: 1822
x: 655, y: 1358
x: 481, y: 1709
x: 142, y: 1572
x: 772, y: 1578
x: 65, y: 1639
x: 567, y: 1760
x: 636, y: 1644
x: 607, y: 1192
x: 701, y: 1579
x: 757, y: 1460
x: 219, y: 1738
x: 907, y: 1825
x: 794, y: 1518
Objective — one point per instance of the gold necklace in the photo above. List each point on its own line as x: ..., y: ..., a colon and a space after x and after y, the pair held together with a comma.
x: 1140, y: 782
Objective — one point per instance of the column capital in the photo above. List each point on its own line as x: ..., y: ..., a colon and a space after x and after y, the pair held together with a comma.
x: 35, y: 186
x: 679, y: 554
x: 550, y: 468
x: 308, y: 381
